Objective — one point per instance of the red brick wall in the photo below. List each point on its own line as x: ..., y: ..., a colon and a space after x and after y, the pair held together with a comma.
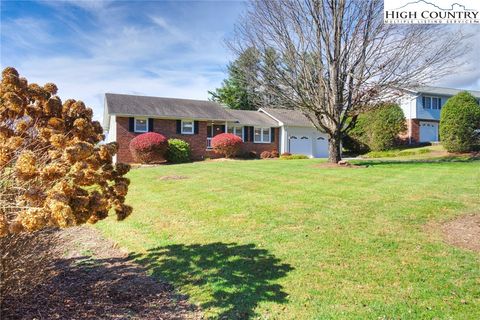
x: 260, y: 147
x: 198, y: 142
x: 414, y: 130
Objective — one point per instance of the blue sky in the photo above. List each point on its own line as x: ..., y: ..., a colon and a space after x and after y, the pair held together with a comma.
x: 160, y: 48
x: 172, y: 49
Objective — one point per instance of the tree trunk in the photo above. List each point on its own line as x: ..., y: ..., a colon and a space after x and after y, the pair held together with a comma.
x: 334, y: 148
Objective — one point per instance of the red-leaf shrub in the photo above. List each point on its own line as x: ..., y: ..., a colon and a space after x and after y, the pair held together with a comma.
x: 227, y: 144
x: 149, y: 147
x: 265, y: 155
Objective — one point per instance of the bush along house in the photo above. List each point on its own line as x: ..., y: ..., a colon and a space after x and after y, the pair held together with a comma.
x: 197, y: 122
x: 422, y: 107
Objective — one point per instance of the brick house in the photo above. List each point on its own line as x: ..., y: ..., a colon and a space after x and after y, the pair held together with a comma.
x: 197, y: 122
x: 422, y: 107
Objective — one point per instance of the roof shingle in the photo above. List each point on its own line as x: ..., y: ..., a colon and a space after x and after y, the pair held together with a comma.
x: 289, y: 117
x: 130, y: 105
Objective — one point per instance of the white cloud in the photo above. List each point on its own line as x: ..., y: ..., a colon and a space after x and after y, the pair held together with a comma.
x: 122, y: 56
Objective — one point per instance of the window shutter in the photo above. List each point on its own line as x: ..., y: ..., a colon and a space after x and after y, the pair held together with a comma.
x: 150, y: 124
x: 179, y: 126
x: 222, y: 128
x: 245, y: 133
x: 423, y: 102
x: 272, y: 135
x: 251, y: 134
x: 131, y: 124
x: 195, y: 127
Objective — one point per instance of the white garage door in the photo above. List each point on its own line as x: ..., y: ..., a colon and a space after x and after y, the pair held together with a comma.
x: 300, y: 144
x: 321, y: 146
x: 428, y: 131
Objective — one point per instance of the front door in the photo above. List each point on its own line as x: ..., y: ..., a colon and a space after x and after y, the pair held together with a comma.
x: 217, y: 129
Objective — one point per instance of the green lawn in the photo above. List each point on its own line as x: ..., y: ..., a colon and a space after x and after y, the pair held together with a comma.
x: 288, y: 240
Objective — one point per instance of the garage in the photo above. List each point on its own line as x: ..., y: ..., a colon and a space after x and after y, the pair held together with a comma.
x: 307, y: 141
x: 320, y: 149
x: 300, y: 145
x: 297, y: 134
x: 428, y: 131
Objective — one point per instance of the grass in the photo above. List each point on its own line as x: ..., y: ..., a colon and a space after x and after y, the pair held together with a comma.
x: 288, y: 240
x: 408, y: 153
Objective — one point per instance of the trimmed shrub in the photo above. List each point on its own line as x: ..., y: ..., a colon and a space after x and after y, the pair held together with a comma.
x: 227, y: 144
x: 377, y: 129
x: 460, y: 122
x: 294, y: 157
x: 266, y: 155
x: 355, y: 140
x: 178, y: 151
x: 285, y: 154
x: 149, y: 147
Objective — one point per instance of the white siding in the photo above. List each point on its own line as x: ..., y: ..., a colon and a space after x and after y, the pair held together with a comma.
x: 408, y: 103
x: 112, y: 133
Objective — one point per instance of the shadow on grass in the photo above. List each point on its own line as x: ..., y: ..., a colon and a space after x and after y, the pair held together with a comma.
x: 448, y: 159
x: 232, y: 279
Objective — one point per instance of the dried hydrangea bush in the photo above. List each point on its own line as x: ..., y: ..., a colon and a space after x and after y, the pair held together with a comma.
x: 54, y: 171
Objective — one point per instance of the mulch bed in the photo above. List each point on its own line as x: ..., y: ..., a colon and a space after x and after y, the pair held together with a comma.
x: 337, y: 166
x: 94, y: 279
x: 463, y: 232
x: 173, y: 177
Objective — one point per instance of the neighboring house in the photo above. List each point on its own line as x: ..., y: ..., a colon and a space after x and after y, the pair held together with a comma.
x: 422, y: 107
x: 197, y: 122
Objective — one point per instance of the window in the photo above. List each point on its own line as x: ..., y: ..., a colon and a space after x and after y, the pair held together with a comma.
x: 141, y: 125
x: 187, y: 126
x: 238, y: 131
x: 261, y: 135
x: 432, y: 103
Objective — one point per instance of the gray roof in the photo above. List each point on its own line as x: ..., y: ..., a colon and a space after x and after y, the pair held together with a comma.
x: 289, y: 117
x: 443, y: 91
x: 252, y: 118
x: 130, y: 105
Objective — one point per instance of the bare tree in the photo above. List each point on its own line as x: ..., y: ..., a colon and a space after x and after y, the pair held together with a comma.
x: 336, y: 57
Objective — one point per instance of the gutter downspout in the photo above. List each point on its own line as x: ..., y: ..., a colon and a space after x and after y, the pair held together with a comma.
x: 410, y: 119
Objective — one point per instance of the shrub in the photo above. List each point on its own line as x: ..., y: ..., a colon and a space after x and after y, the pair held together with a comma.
x: 227, y: 144
x: 275, y: 154
x: 377, y: 129
x: 294, y: 157
x: 266, y: 155
x: 53, y: 173
x: 178, y: 151
x: 149, y: 147
x: 459, y: 120
x: 355, y: 140
x: 249, y: 155
x: 53, y: 170
x: 286, y: 154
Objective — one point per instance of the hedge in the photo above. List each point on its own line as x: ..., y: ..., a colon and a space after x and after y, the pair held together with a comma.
x: 149, y: 147
x: 178, y: 151
x: 460, y: 123
x: 227, y: 144
x: 377, y: 129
